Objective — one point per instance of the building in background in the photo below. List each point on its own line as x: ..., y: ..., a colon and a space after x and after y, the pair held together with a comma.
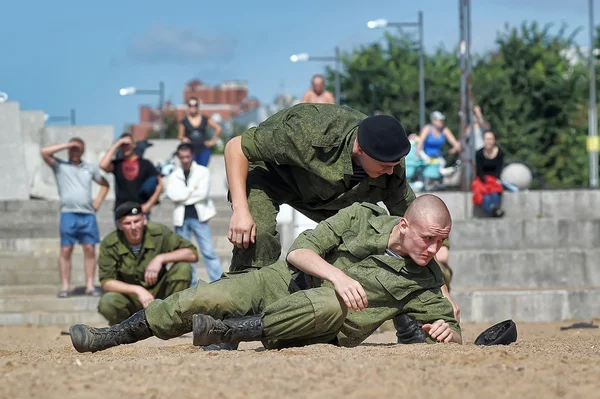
x: 221, y: 102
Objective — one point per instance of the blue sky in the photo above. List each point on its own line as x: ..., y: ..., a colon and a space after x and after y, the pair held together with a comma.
x: 57, y: 55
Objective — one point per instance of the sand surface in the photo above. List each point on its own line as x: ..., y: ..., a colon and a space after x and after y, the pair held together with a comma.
x: 38, y: 362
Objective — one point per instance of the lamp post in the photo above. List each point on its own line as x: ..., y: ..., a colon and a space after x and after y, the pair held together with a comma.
x: 384, y: 23
x: 56, y: 118
x: 592, y: 113
x: 130, y: 91
x: 303, y: 57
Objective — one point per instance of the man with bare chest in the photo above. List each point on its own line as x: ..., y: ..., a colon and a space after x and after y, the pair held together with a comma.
x: 318, y: 94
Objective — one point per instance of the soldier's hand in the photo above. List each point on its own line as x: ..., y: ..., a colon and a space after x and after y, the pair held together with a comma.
x: 152, y: 270
x: 242, y: 229
x: 440, y: 331
x: 351, y: 292
x: 145, y: 297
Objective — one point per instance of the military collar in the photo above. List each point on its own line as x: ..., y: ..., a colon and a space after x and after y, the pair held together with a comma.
x: 384, y: 223
x: 147, y: 242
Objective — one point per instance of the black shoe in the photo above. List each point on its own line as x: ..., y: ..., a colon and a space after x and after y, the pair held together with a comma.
x: 408, y: 330
x: 220, y: 347
x: 208, y: 331
x: 90, y: 339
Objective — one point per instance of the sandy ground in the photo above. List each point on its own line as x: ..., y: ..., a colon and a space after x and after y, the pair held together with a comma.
x: 545, y: 362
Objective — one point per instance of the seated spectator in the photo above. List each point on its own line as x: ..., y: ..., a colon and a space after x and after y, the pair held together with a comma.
x: 136, y: 178
x: 487, y: 187
x: 433, y: 137
x: 188, y: 188
x: 133, y: 264
x: 77, y: 210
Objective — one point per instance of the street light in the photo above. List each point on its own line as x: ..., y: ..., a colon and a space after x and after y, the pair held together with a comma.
x: 55, y: 118
x: 303, y: 57
x: 384, y: 23
x: 130, y: 91
x: 592, y: 113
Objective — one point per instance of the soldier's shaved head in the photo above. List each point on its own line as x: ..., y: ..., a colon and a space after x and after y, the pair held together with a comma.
x: 420, y: 233
x: 431, y: 208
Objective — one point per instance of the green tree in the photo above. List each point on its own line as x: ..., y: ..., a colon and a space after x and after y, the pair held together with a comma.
x: 535, y: 99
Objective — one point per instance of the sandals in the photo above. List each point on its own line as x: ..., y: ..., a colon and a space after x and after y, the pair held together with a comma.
x: 63, y: 294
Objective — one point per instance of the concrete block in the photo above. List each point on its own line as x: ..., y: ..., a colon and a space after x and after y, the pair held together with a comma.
x: 13, y: 175
x: 523, y: 268
x: 29, y: 290
x: 32, y: 127
x: 52, y: 319
x: 522, y: 205
x: 487, y: 234
x: 570, y: 204
x: 48, y: 304
x: 528, y: 305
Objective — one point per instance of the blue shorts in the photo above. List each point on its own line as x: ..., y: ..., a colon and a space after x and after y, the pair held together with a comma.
x: 78, y: 228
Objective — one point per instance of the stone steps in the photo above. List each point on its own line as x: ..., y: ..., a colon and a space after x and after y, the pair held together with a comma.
x: 528, y: 305
x: 512, y: 233
x: 52, y: 319
x: 528, y: 268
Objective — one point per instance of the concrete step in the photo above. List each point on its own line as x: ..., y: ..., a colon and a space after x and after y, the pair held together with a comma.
x: 47, y: 304
x: 52, y: 319
x: 16, y: 270
x: 527, y: 268
x: 507, y: 233
x: 37, y: 289
x: 528, y: 305
x: 51, y: 246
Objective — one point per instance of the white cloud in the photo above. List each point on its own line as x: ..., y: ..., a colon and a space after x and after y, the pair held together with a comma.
x: 162, y: 44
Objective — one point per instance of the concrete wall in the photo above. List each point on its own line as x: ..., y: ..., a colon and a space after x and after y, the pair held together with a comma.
x: 13, y: 175
x: 32, y: 130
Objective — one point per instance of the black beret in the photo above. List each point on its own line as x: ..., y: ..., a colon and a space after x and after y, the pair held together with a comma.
x: 383, y: 138
x: 503, y: 333
x: 127, y: 209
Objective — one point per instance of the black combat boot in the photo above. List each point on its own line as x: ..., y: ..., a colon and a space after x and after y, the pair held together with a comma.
x: 226, y: 334
x: 408, y: 330
x: 91, y: 339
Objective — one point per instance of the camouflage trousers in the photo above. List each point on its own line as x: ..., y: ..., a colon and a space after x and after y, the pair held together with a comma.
x: 291, y: 316
x: 116, y: 307
x: 265, y: 193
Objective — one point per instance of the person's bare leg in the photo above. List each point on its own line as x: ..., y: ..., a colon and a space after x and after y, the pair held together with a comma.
x: 64, y: 263
x: 89, y: 260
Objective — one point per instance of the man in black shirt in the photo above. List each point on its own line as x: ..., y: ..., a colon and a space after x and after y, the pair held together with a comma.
x: 136, y: 178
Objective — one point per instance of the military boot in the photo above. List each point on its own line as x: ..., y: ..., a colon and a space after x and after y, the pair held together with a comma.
x: 228, y: 333
x: 408, y: 330
x: 91, y: 339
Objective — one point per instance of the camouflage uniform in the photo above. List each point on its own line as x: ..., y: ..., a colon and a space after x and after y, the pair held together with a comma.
x: 298, y: 309
x: 302, y: 156
x: 117, y: 262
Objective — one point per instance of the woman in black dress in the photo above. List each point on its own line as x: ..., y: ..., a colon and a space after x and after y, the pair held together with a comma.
x: 192, y: 130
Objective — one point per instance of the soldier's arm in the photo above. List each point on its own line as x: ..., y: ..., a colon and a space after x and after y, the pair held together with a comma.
x: 435, y: 312
x: 107, y: 273
x: 312, y: 246
x: 401, y: 194
x: 178, y: 249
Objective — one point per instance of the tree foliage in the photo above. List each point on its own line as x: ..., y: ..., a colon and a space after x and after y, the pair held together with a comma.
x: 534, y: 98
